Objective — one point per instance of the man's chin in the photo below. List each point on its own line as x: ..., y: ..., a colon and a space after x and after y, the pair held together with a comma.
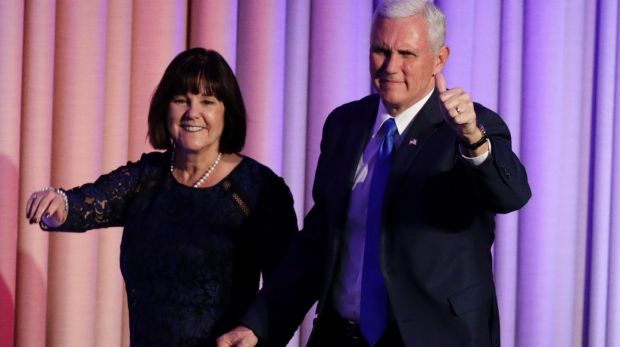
x: 389, y: 100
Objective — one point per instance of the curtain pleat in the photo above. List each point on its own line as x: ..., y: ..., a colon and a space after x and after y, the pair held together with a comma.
x: 214, y: 25
x: 509, y: 106
x: 159, y: 29
x: 11, y: 54
x: 77, y: 145
x: 260, y: 71
x: 35, y: 169
x: 296, y: 72
x: 115, y: 133
x: 339, y: 36
x: 603, y: 203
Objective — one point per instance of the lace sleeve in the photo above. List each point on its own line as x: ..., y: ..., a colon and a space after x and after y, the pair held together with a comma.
x: 103, y: 203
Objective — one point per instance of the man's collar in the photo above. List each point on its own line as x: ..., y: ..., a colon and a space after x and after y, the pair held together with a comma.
x: 402, y: 119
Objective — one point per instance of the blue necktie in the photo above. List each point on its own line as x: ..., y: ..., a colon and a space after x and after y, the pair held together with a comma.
x: 374, y: 300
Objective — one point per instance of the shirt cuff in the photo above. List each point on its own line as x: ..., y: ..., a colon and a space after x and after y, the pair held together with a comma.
x: 476, y: 161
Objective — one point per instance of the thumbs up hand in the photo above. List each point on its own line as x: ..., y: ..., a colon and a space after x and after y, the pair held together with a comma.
x: 459, y: 113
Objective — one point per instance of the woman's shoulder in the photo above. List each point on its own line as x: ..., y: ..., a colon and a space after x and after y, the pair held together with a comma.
x: 259, y: 185
x: 253, y: 168
x: 151, y: 162
x: 254, y: 175
x: 154, y: 158
x: 151, y: 165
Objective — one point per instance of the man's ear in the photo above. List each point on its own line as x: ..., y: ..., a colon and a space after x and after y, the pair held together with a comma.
x: 441, y: 58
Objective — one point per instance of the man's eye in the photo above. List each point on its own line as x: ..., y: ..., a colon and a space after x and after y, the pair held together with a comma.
x: 381, y: 51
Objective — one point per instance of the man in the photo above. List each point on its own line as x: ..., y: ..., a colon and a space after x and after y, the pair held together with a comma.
x: 450, y: 169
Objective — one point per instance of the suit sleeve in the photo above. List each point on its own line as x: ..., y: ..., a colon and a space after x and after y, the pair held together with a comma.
x: 502, y: 177
x: 295, y: 285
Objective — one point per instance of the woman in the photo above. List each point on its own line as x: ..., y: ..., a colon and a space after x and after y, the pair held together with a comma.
x: 201, y: 222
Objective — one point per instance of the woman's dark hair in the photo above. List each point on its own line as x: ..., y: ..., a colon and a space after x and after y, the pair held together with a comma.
x: 198, y: 70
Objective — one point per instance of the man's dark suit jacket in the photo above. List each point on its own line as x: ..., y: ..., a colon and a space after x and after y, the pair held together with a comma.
x: 438, y: 228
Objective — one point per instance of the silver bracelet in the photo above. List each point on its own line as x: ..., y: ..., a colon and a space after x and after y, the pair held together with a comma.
x: 64, y: 197
x: 61, y: 193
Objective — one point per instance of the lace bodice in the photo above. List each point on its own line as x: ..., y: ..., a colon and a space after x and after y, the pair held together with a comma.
x: 191, y: 258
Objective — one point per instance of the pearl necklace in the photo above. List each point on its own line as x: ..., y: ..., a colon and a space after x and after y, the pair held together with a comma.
x: 205, y: 175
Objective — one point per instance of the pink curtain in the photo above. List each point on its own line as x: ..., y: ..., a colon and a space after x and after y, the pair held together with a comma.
x: 76, y: 80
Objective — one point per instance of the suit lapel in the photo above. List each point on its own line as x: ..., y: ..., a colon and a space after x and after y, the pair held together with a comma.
x: 420, y: 130
x: 351, y: 143
x: 359, y: 132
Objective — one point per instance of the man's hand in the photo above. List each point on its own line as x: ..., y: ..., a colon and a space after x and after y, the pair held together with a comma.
x: 459, y: 113
x: 238, y: 337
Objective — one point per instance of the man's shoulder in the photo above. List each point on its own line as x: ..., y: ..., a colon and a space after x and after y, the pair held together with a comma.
x: 368, y: 102
x: 354, y: 110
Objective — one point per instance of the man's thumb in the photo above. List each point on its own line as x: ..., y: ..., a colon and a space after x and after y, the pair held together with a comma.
x: 440, y: 82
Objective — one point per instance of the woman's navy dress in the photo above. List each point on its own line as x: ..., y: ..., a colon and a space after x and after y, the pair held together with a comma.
x: 191, y: 258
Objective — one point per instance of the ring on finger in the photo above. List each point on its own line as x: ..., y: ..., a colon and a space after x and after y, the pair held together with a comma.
x: 458, y: 109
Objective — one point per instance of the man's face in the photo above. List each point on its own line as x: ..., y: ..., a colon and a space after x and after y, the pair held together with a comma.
x: 402, y: 63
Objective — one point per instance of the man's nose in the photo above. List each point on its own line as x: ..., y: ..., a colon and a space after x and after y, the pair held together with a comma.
x: 390, y: 64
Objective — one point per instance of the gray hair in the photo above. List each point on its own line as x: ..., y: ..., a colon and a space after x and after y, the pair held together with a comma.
x: 406, y: 8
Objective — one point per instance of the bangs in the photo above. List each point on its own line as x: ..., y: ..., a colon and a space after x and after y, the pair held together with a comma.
x: 197, y: 77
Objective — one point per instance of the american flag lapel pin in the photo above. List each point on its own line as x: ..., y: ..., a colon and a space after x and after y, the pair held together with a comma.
x: 413, y: 142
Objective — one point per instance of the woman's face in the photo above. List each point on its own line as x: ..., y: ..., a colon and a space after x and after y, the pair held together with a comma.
x: 196, y: 122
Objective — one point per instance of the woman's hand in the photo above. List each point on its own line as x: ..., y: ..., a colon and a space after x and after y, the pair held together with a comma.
x: 238, y: 337
x: 48, y: 206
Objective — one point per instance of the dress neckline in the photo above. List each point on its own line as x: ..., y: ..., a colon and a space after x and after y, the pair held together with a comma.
x: 205, y: 188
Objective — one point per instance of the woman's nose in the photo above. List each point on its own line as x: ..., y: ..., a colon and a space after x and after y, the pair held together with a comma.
x: 192, y: 110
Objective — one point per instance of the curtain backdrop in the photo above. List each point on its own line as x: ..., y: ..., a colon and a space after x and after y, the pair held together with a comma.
x: 76, y: 78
